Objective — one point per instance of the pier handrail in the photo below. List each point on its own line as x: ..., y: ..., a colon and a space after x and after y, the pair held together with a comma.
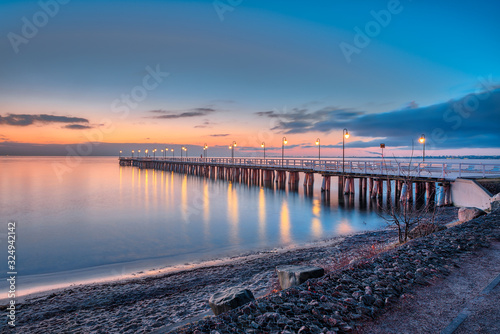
x: 437, y: 170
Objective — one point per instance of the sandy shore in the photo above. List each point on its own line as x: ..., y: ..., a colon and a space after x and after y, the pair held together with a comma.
x: 166, y: 301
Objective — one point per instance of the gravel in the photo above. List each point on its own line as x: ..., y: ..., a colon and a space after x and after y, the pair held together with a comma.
x: 345, y: 298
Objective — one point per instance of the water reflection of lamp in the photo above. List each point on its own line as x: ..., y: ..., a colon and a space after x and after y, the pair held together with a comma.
x: 285, y: 223
x: 233, y: 214
x: 344, y: 227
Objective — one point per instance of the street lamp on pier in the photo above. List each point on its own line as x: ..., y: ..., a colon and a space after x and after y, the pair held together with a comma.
x: 318, y: 143
x: 345, y: 135
x: 120, y: 154
x: 205, y: 149
x: 185, y: 150
x: 138, y: 153
x: 132, y: 153
x: 146, y: 153
x: 154, y: 153
x: 422, y: 141
x: 263, y: 145
x: 232, y: 146
x: 283, y: 143
x: 172, y: 153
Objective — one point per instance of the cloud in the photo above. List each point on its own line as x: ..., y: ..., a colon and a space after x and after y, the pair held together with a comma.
x: 186, y: 114
x: 30, y: 119
x: 302, y: 120
x: 220, y: 135
x: 205, y: 124
x: 468, y: 122
x: 77, y: 127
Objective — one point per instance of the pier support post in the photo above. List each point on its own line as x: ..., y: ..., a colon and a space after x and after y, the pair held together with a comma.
x: 389, y: 190
x: 326, y: 183
x: 410, y: 191
x: 347, y: 186
x: 404, y: 189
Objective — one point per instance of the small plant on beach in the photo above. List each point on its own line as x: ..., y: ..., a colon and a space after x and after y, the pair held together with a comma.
x: 404, y: 215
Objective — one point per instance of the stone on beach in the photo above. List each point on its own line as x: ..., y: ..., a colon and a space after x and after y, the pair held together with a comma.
x: 424, y: 229
x: 295, y: 275
x: 466, y: 214
x: 495, y: 202
x: 229, y: 299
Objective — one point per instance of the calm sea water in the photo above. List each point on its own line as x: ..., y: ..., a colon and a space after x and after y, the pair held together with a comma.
x: 98, y: 219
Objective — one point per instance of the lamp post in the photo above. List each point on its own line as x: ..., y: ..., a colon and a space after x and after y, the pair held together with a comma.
x: 132, y: 153
x: 172, y: 153
x: 422, y: 141
x: 318, y: 143
x: 205, y: 149
x: 154, y: 153
x: 162, y: 153
x: 233, y: 145
x: 120, y: 155
x: 185, y: 150
x: 138, y: 153
x: 263, y: 145
x: 146, y: 153
x: 345, y: 135
x: 283, y: 142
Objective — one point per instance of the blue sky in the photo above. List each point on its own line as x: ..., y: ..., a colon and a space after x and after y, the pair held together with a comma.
x: 240, y: 59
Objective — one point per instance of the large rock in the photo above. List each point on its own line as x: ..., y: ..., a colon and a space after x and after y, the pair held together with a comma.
x: 424, y: 229
x: 466, y: 214
x: 495, y: 202
x: 296, y: 275
x: 229, y: 299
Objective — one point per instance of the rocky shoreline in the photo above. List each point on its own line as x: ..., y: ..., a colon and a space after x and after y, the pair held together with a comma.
x: 343, y: 299
x: 162, y: 303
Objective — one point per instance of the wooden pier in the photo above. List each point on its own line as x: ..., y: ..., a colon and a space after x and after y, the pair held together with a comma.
x: 410, y: 180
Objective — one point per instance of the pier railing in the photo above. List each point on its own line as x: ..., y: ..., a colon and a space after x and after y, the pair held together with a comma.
x: 441, y: 170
